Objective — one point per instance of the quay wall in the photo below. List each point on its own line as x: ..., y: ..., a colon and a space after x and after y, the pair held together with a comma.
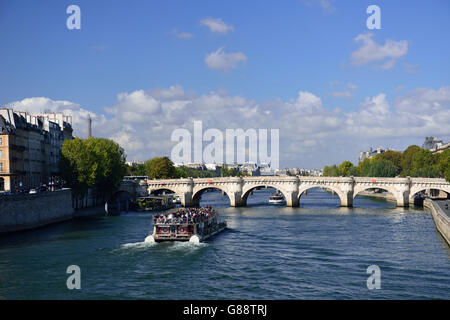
x: 441, y: 219
x: 27, y: 211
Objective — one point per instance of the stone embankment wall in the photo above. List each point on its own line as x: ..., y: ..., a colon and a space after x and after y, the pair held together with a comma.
x: 441, y: 219
x: 384, y: 195
x: 27, y: 211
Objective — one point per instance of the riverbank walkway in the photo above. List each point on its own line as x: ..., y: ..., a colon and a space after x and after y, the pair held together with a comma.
x: 441, y: 216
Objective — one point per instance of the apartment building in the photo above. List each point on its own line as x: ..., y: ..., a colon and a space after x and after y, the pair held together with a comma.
x: 30, y: 147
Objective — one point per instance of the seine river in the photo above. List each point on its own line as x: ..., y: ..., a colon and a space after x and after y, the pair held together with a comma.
x: 317, y: 251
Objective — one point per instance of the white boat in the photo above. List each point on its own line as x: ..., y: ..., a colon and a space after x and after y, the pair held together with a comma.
x: 276, y: 198
x: 193, y: 225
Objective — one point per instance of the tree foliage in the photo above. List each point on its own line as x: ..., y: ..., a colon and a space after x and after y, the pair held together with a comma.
x: 382, y: 168
x: 413, y: 162
x: 346, y: 169
x: 160, y: 168
x: 93, y: 163
x: 136, y: 170
x: 185, y: 172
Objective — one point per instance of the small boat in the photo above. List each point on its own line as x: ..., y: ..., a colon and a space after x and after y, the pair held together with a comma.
x: 193, y: 225
x: 276, y: 198
x: 177, y: 200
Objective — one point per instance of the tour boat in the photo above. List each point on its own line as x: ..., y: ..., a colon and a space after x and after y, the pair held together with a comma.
x: 193, y: 225
x: 276, y: 198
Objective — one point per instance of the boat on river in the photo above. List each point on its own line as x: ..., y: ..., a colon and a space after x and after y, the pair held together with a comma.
x: 276, y: 198
x: 193, y: 225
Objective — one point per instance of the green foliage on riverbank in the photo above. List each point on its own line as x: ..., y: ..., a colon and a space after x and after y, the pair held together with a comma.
x: 92, y: 163
x: 163, y: 168
x: 136, y: 170
x: 413, y: 162
x: 160, y: 168
x: 185, y: 172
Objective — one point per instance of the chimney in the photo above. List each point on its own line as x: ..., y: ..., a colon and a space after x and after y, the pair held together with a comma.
x: 89, y: 120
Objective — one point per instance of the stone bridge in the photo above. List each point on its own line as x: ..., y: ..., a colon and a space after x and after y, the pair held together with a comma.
x: 292, y: 187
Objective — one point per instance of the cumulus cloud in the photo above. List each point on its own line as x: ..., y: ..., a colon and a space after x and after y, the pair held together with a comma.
x: 221, y: 60
x: 311, y: 134
x: 184, y: 35
x: 136, y: 106
x: 216, y: 25
x: 370, y: 51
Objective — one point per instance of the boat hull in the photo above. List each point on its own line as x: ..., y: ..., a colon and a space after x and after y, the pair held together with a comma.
x: 196, y: 238
x: 276, y: 201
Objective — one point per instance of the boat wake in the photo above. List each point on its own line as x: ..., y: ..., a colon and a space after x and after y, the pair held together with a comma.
x: 186, y: 245
x: 137, y: 245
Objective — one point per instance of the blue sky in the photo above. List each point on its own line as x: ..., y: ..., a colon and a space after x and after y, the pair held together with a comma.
x: 282, y: 48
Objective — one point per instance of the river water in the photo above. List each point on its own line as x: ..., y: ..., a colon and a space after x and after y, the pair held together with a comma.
x: 317, y: 251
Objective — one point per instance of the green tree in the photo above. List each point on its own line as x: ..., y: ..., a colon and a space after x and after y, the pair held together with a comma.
x: 443, y: 164
x: 346, y: 169
x: 331, y: 171
x: 424, y: 164
x: 363, y: 168
x: 160, y: 168
x: 93, y: 163
x: 136, y: 170
x: 382, y: 168
x: 394, y: 156
x: 406, y: 162
x: 184, y: 172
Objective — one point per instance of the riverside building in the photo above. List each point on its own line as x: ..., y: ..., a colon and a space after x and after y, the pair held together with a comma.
x: 30, y: 147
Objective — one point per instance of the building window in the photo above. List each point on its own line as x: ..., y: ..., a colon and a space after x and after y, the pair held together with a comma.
x: 1, y: 141
x: 1, y: 167
x: 1, y: 154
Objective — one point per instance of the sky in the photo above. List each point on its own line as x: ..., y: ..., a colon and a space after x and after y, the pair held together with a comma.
x: 310, y: 68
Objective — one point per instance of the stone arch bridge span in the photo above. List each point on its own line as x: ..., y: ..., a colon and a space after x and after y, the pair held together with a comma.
x: 292, y: 187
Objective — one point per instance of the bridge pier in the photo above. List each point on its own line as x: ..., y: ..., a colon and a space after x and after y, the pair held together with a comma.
x: 186, y: 199
x: 236, y: 199
x: 402, y: 199
x: 347, y: 199
x: 292, y: 199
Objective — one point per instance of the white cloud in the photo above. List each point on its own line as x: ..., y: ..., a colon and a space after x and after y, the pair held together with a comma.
x: 221, y: 60
x: 352, y: 86
x: 216, y: 25
x: 370, y: 51
x: 311, y: 134
x: 411, y: 68
x: 135, y: 106
x: 326, y: 5
x: 184, y: 35
x: 342, y: 94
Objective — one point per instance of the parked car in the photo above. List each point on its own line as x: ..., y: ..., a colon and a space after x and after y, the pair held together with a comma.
x: 32, y: 191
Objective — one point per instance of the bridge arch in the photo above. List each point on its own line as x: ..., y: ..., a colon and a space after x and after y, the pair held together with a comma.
x: 391, y: 190
x: 163, y: 187
x: 248, y: 189
x: 198, y: 191
x: 336, y: 190
x: 418, y: 189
